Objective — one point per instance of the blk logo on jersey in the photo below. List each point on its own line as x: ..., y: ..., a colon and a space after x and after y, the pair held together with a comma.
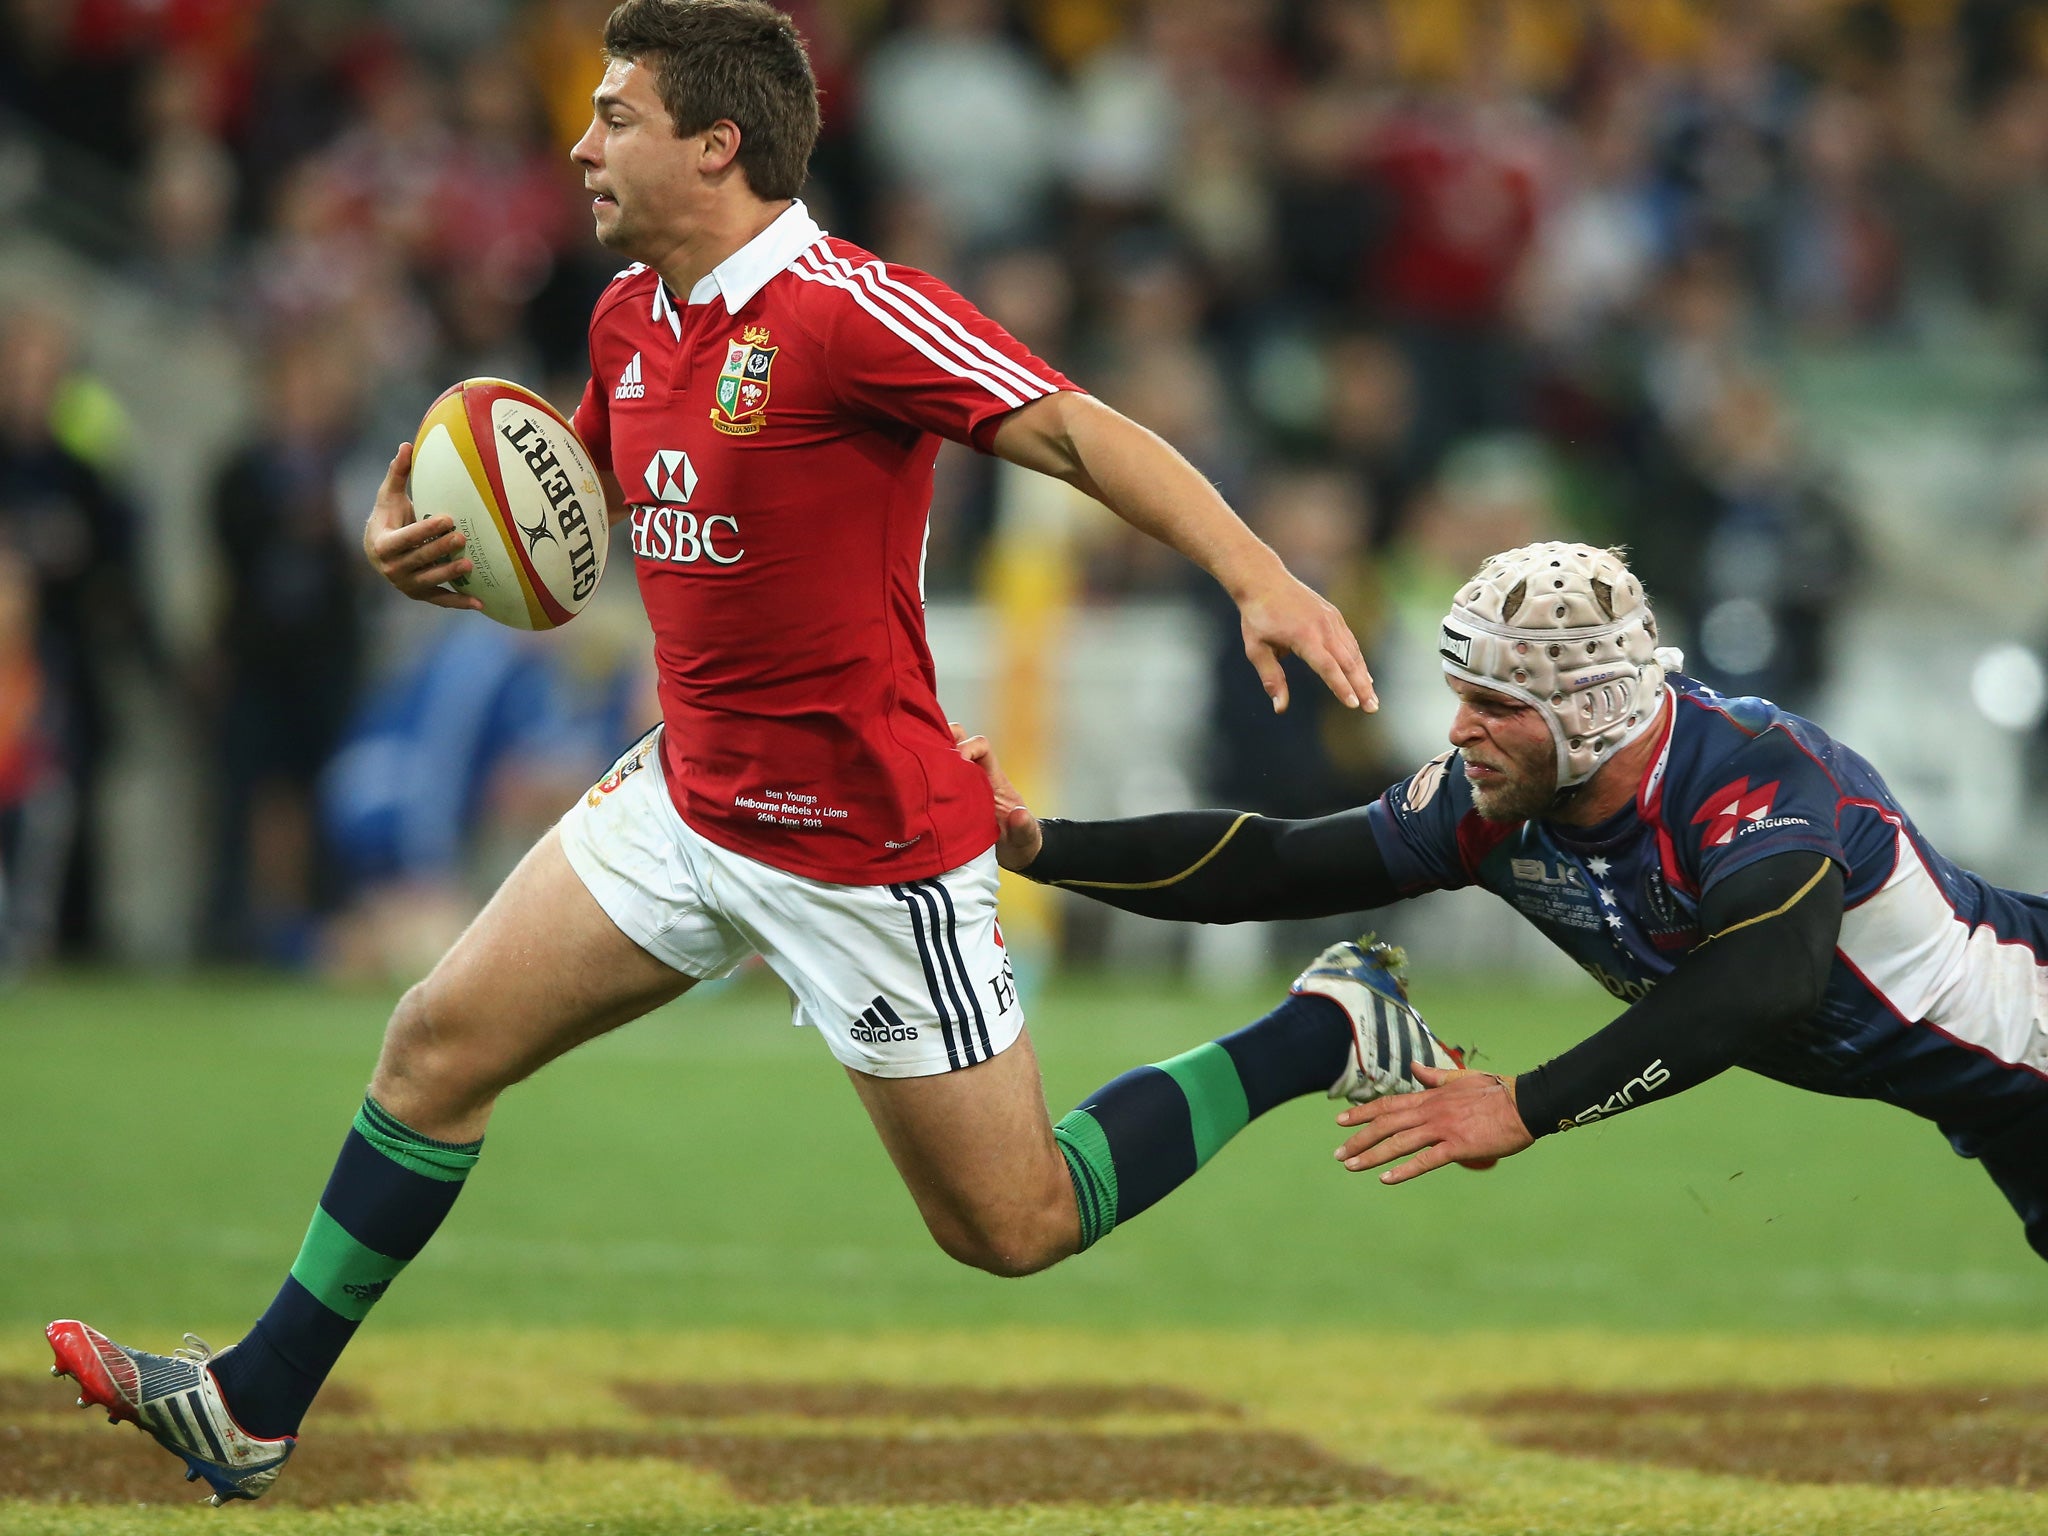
x: 742, y: 392
x: 631, y: 386
x: 1538, y: 872
x: 1730, y: 809
x: 671, y: 476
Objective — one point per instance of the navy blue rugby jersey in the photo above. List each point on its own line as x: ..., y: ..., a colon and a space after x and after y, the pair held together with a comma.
x: 1938, y: 1001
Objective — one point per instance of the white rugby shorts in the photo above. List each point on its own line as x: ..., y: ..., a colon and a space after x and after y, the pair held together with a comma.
x: 905, y: 980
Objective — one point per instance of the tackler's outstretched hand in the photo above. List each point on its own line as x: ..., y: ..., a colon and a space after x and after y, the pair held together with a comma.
x: 1017, y: 836
x: 419, y: 557
x: 1282, y: 615
x: 1461, y: 1117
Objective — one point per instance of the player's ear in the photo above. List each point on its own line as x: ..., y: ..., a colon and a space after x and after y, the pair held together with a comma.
x: 721, y: 149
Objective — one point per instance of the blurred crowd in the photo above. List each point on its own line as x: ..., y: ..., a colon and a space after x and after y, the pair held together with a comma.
x: 1411, y: 280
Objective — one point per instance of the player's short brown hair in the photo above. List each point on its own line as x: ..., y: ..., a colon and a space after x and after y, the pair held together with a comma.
x: 736, y: 59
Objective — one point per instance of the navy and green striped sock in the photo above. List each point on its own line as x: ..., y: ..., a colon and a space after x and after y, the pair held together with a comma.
x: 388, y: 1193
x: 1146, y: 1133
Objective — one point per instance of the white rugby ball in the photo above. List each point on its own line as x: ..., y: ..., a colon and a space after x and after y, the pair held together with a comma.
x: 520, y: 485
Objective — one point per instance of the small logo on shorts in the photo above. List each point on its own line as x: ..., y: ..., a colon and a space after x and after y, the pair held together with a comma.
x: 886, y: 843
x: 622, y: 770
x: 1004, y: 984
x: 879, y: 1023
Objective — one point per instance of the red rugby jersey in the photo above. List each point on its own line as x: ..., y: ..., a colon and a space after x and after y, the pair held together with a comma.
x: 774, y: 437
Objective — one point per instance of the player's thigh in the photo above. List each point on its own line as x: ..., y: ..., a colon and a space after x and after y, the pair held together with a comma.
x: 540, y: 970
x: 911, y: 987
x: 975, y: 1150
x: 903, y: 979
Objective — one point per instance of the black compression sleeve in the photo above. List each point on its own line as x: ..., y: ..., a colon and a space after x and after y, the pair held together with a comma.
x: 1771, y: 938
x: 1219, y: 866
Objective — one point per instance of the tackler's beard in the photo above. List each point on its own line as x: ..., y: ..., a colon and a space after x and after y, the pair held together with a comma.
x: 1523, y: 791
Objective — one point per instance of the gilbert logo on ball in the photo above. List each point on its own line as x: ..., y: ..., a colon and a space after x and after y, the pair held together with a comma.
x: 513, y: 475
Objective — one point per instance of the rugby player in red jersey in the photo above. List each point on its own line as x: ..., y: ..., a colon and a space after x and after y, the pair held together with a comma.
x: 766, y: 402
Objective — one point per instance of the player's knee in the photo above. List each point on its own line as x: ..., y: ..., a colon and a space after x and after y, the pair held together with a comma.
x: 1004, y: 1256
x: 1013, y: 1244
x: 430, y: 1056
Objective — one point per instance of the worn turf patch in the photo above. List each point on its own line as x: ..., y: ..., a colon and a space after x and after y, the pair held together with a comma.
x: 894, y: 1400
x: 1990, y: 1436
x: 1042, y: 1433
x: 353, y: 1467
x: 83, y: 1462
x: 935, y: 1454
x: 43, y: 1464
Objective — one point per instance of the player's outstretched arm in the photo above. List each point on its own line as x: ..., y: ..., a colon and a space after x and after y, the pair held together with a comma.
x: 1139, y: 476
x: 1764, y: 966
x: 1193, y: 866
x: 419, y: 557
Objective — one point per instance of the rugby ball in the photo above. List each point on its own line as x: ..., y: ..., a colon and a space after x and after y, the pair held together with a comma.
x: 519, y: 483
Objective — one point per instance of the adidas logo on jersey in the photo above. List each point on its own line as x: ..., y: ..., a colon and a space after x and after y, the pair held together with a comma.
x: 630, y: 386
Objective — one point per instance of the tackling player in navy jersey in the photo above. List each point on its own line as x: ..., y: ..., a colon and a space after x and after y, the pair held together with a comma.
x: 1746, y: 884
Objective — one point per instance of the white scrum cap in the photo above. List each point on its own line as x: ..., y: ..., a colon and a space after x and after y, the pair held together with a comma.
x: 1566, y: 628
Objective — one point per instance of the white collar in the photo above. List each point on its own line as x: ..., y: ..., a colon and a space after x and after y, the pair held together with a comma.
x: 747, y: 270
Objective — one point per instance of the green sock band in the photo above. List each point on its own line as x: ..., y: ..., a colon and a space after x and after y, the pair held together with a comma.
x: 448, y: 1161
x: 1216, y: 1103
x: 344, y: 1275
x: 378, y: 1209
x: 1089, y: 1164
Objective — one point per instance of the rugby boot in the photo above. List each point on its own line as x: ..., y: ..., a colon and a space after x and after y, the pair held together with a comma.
x: 176, y: 1401
x: 1368, y: 980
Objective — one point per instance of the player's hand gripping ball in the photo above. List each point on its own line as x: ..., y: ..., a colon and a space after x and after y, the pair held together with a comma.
x: 518, y: 482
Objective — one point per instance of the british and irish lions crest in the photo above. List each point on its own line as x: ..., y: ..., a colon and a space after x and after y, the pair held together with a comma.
x: 742, y: 395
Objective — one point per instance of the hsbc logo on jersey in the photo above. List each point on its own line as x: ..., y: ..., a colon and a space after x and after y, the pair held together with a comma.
x: 671, y: 476
x: 678, y: 536
x: 1734, y: 809
x: 671, y: 532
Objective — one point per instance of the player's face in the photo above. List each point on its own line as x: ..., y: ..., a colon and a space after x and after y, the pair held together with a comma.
x: 1510, y: 759
x: 634, y: 166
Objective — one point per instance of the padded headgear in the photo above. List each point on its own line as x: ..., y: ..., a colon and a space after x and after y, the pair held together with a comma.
x: 1566, y: 628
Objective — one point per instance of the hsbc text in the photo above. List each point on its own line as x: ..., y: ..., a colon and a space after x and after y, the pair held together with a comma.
x: 679, y: 536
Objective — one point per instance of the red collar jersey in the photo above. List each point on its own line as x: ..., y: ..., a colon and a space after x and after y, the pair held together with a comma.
x: 774, y: 437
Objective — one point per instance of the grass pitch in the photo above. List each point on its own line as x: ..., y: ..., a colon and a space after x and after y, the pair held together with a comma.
x: 684, y: 1292
x: 531, y: 1432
